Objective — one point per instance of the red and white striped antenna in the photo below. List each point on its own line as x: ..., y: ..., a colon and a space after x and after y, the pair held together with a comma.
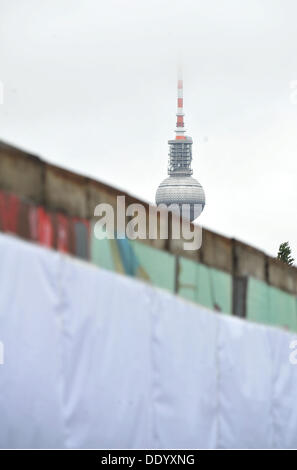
x: 180, y: 130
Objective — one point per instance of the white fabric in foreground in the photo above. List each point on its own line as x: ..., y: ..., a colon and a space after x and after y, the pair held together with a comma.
x: 95, y: 359
x: 31, y: 376
x: 184, y: 374
x: 245, y: 384
x: 284, y: 388
x: 106, y: 340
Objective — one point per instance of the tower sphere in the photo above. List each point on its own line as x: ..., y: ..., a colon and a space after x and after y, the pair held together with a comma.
x: 182, y: 190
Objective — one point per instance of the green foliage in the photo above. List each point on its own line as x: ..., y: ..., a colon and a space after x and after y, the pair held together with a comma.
x: 284, y: 254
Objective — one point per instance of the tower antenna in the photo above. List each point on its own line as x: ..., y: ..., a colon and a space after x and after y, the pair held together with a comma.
x: 180, y: 128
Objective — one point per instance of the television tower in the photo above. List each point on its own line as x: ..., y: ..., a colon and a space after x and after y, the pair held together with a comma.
x: 180, y: 187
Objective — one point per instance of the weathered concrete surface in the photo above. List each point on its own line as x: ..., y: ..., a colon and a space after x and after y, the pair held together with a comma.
x: 65, y: 191
x: 216, y: 251
x: 98, y: 193
x: 282, y: 276
x: 248, y: 261
x: 21, y: 173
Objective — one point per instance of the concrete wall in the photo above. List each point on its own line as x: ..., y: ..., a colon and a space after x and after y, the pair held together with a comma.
x: 282, y: 276
x: 98, y: 193
x: 65, y: 191
x: 216, y: 251
x: 60, y: 190
x: 248, y: 261
x: 21, y: 173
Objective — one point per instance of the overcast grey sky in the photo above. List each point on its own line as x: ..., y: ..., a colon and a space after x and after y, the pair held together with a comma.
x: 91, y: 85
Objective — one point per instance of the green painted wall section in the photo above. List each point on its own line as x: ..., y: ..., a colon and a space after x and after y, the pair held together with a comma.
x: 196, y: 282
x: 257, y: 301
x: 206, y: 286
x: 271, y: 306
x: 222, y: 289
x: 156, y: 265
x: 135, y: 259
x: 101, y: 253
x: 105, y: 253
x: 283, y: 309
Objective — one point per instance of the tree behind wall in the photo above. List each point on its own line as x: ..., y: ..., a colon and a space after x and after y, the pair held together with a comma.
x: 284, y: 253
